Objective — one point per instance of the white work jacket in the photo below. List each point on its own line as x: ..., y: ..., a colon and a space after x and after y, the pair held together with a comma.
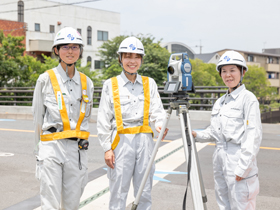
x: 44, y: 106
x: 132, y: 107
x: 236, y: 119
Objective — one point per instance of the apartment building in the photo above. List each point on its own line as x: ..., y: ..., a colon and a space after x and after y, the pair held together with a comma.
x: 43, y: 19
x: 269, y: 60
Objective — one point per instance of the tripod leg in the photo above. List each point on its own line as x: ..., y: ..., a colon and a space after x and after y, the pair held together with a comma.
x: 151, y: 161
x: 204, y: 196
x: 194, y: 172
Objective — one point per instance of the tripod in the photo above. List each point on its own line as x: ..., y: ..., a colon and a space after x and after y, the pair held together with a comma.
x: 181, y: 105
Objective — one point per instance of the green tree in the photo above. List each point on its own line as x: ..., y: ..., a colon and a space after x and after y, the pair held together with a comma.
x: 205, y: 74
x: 256, y: 81
x: 11, y: 49
x: 155, y: 59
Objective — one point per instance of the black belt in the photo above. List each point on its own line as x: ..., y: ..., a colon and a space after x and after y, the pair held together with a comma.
x: 53, y: 130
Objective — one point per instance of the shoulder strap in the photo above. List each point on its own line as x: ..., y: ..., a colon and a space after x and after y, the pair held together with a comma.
x: 84, y: 100
x: 146, y: 88
x: 117, y: 103
x: 59, y: 100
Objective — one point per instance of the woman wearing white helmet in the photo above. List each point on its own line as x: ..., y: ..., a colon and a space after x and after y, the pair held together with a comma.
x: 129, y: 103
x: 61, y: 106
x: 236, y: 128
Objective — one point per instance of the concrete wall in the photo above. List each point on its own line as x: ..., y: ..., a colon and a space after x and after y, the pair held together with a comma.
x: 25, y: 112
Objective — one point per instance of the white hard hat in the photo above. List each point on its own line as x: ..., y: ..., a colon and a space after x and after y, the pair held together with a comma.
x: 68, y: 35
x: 231, y: 58
x: 131, y: 45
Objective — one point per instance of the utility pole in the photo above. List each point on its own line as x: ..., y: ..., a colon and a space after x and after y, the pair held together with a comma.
x: 200, y: 46
x: 263, y: 46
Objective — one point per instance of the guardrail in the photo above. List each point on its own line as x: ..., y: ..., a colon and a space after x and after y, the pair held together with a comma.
x: 204, y: 99
x: 269, y: 116
x: 208, y: 95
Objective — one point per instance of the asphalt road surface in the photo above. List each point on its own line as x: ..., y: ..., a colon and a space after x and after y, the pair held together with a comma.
x: 20, y: 190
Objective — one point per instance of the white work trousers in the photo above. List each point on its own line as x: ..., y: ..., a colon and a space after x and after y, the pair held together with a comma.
x: 132, y: 156
x: 61, y: 181
x: 232, y: 194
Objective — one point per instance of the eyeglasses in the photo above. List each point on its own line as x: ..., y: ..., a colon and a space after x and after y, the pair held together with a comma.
x: 74, y: 47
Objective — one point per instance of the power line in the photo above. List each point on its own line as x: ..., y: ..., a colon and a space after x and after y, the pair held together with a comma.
x: 14, y: 2
x: 58, y: 5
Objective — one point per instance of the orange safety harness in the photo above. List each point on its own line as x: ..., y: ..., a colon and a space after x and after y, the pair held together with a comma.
x: 67, y: 132
x: 145, y: 128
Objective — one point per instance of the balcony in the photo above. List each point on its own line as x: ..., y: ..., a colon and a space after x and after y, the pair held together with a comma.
x: 274, y: 82
x: 253, y: 64
x: 272, y: 67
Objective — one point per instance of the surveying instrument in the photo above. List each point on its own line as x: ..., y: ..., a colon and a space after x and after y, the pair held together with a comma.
x: 178, y: 86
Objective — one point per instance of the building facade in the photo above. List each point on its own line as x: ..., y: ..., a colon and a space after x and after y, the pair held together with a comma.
x: 43, y: 19
x: 178, y: 47
x: 14, y: 28
x: 269, y: 61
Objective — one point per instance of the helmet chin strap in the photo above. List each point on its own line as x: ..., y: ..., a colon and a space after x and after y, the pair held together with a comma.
x: 240, y: 82
x: 129, y: 73
x: 67, y: 64
x: 126, y: 72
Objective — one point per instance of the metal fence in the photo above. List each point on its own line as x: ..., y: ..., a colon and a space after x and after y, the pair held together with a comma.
x: 203, y: 99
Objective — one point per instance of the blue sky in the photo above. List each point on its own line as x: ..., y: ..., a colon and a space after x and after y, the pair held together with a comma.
x: 247, y: 25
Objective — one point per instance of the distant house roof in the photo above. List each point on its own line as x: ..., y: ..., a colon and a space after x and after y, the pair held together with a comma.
x: 272, y: 51
x: 205, y: 57
x: 252, y: 53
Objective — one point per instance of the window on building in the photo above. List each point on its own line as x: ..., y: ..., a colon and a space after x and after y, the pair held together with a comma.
x: 89, y: 35
x: 20, y: 11
x: 250, y: 58
x: 272, y: 75
x: 269, y: 60
x: 89, y: 60
x: 277, y: 60
x: 99, y: 64
x: 51, y: 28
x: 79, y: 30
x: 37, y: 27
x: 102, y: 35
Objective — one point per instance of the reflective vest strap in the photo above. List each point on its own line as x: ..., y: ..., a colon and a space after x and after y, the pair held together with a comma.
x: 117, y: 103
x: 145, y: 128
x: 132, y: 130
x: 146, y: 88
x: 83, y: 103
x: 63, y: 111
x: 65, y: 135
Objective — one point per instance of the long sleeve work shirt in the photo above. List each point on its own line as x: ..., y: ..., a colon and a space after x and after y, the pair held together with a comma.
x: 236, y: 119
x: 132, y: 107
x: 45, y: 108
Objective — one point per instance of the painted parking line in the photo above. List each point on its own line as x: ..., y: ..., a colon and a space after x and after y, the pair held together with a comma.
x: 31, y: 131
x: 7, y: 120
x: 5, y: 154
x: 17, y: 130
